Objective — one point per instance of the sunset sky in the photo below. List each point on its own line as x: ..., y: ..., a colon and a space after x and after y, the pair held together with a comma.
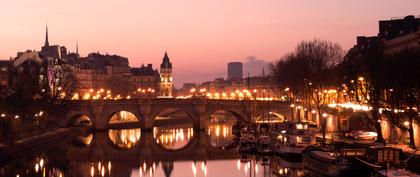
x: 200, y: 36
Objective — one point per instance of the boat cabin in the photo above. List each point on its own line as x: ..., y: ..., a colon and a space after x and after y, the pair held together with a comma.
x: 384, y: 155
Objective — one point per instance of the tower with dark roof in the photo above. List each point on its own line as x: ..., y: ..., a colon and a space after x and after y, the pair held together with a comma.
x: 166, y: 81
x: 46, y: 37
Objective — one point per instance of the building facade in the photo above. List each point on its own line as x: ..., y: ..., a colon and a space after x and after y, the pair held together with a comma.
x: 166, y: 79
x: 4, y: 72
x: 98, y: 76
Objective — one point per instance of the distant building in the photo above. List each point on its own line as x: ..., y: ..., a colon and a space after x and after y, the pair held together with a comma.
x: 145, y: 79
x: 52, y: 53
x: 166, y: 80
x: 29, y: 68
x: 364, y: 42
x: 4, y: 72
x: 394, y: 28
x: 96, y: 74
x: 235, y: 71
x: 406, y: 42
x: 257, y: 87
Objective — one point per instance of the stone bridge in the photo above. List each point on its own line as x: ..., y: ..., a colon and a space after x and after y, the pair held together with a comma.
x: 146, y: 110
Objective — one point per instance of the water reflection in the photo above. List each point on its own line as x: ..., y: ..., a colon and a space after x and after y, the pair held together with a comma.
x: 125, y: 138
x: 100, y: 169
x: 172, y: 138
x: 269, y: 166
x: 195, y: 160
x: 251, y: 167
x: 83, y: 140
x: 220, y: 134
x: 219, y: 128
x: 33, y: 166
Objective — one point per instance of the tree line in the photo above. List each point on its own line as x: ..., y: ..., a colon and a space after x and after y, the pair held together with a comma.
x: 388, y: 83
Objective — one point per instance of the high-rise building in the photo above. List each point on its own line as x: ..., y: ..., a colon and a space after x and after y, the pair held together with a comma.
x: 235, y: 71
x: 166, y: 82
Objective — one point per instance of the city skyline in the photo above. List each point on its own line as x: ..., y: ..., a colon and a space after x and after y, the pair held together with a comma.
x: 214, y: 34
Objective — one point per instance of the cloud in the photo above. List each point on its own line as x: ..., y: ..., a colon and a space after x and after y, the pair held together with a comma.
x: 254, y: 66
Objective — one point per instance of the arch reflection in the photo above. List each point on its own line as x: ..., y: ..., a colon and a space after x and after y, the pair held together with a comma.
x: 172, y: 138
x: 173, y: 129
x: 83, y: 141
x: 125, y: 138
x: 219, y: 129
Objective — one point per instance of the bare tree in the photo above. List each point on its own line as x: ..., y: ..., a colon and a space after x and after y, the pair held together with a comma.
x: 403, y: 90
x: 308, y: 72
x: 363, y: 73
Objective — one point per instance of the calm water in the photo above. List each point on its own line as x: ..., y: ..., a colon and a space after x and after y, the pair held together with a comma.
x: 166, y: 151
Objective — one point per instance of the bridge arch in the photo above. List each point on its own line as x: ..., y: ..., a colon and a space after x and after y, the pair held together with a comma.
x: 123, y: 116
x: 80, y: 120
x: 219, y: 124
x: 124, y: 129
x: 174, y: 115
x: 238, y: 115
x: 173, y: 128
x: 271, y: 116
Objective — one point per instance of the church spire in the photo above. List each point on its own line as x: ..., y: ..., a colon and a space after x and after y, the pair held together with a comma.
x: 166, y: 63
x: 46, y: 37
x: 77, y: 48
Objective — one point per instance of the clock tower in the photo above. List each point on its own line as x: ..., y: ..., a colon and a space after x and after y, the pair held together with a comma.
x: 166, y: 82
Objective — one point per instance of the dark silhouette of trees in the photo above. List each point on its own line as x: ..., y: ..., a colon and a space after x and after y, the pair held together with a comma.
x: 403, y: 90
x: 36, y: 91
x: 308, y: 72
x: 363, y: 70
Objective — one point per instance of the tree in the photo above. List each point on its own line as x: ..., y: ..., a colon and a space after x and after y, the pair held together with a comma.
x: 365, y: 81
x: 36, y: 91
x: 308, y: 73
x: 58, y: 89
x: 403, y: 90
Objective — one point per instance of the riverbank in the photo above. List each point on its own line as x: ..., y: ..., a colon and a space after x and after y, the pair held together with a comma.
x: 20, y: 148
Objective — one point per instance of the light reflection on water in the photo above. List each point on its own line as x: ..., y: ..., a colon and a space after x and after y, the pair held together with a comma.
x: 99, y: 162
x: 84, y: 140
x: 125, y: 138
x: 218, y: 168
x: 220, y: 134
x: 172, y: 138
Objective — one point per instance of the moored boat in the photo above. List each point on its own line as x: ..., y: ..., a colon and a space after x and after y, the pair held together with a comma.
x: 247, y: 143
x: 292, y: 139
x: 331, y: 163
x: 264, y: 145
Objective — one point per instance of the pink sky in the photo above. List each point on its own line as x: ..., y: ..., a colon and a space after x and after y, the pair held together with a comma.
x: 200, y: 36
